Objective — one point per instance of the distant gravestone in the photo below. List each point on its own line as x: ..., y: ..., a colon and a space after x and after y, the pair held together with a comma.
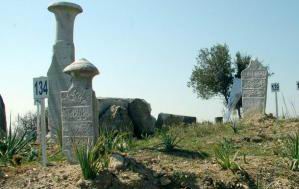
x: 254, y: 88
x: 219, y: 120
x: 2, y: 116
x: 63, y: 55
x: 79, y: 107
x: 165, y: 119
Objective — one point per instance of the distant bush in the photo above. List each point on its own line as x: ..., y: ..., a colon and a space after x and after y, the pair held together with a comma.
x: 223, y: 153
x: 293, y: 150
x: 14, y: 147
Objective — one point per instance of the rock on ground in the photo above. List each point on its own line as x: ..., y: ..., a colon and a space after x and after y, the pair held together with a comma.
x: 116, y: 118
x: 140, y: 113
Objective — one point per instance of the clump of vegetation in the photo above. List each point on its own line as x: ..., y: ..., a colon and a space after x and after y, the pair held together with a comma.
x: 293, y: 150
x: 15, y: 146
x: 225, y: 156
x: 116, y: 141
x: 94, y: 159
x: 89, y: 160
x: 170, y: 140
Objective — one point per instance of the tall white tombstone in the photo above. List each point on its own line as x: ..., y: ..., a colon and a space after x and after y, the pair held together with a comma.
x: 63, y: 55
x: 254, y: 88
x: 79, y: 108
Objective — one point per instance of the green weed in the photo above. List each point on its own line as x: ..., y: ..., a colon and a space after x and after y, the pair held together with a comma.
x: 293, y: 150
x: 223, y: 153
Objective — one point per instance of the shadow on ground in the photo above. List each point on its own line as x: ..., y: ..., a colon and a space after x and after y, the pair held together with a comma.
x: 149, y: 179
x: 186, y: 153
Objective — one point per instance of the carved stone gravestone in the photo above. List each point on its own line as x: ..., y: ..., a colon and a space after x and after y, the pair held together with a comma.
x: 79, y: 108
x: 254, y: 88
x: 63, y: 55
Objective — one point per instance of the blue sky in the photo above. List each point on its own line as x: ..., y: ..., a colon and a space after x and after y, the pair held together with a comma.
x: 147, y: 49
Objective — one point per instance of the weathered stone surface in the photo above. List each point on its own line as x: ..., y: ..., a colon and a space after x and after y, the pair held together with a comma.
x: 254, y: 88
x: 117, y: 162
x: 79, y: 107
x: 144, y: 122
x: 106, y: 103
x: 63, y: 55
x: 2, y: 115
x: 116, y: 118
x: 170, y: 119
x: 140, y: 113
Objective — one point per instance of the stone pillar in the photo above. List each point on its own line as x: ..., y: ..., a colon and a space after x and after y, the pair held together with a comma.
x: 254, y: 81
x: 2, y: 116
x: 63, y: 55
x: 79, y: 108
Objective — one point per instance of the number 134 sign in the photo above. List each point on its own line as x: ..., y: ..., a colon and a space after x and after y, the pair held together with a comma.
x: 40, y: 88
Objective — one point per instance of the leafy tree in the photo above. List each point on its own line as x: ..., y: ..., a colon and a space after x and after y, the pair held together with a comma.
x: 213, y: 73
x: 241, y: 62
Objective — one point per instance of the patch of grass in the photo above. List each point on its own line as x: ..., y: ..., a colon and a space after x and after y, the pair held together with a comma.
x: 57, y: 157
x: 184, y: 179
x: 224, y: 155
x: 93, y: 159
x: 169, y: 140
x: 116, y: 141
x: 293, y: 150
x: 89, y: 160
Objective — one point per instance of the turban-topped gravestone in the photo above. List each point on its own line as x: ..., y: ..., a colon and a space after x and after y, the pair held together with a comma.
x: 254, y: 88
x: 79, y: 108
x: 63, y: 55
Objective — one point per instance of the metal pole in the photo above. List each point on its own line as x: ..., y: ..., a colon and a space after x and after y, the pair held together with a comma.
x: 38, y: 122
x: 276, y: 103
x: 43, y: 133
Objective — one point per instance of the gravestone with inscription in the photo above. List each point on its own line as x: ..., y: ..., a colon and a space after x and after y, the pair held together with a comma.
x: 63, y: 55
x: 254, y: 88
x: 79, y: 108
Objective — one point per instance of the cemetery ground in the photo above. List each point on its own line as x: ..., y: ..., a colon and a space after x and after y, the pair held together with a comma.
x: 258, y: 158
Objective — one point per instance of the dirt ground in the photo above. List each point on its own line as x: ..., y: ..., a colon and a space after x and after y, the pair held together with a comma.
x: 192, y: 165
